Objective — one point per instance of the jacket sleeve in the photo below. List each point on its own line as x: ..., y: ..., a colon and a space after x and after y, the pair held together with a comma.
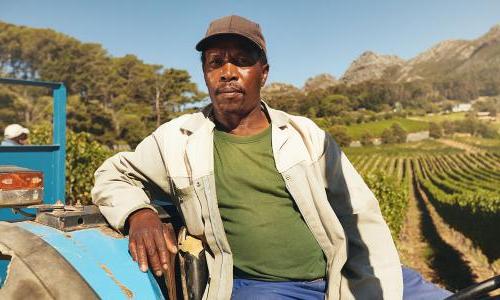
x: 372, y: 269
x: 124, y: 182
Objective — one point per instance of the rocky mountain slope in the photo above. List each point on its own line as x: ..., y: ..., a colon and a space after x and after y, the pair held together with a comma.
x: 321, y: 81
x: 449, y: 59
x: 370, y: 66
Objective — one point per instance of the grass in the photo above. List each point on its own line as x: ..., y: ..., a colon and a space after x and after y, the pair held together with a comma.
x: 376, y: 128
x: 406, y: 149
x: 496, y: 124
x: 441, y: 118
x: 485, y: 144
x: 452, y: 117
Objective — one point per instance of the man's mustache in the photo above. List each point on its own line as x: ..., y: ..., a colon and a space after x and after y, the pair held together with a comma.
x: 229, y: 88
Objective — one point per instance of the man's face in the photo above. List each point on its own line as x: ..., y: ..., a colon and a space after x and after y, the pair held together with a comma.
x: 234, y: 75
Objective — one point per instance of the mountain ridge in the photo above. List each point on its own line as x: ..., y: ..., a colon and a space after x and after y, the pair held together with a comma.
x: 446, y: 59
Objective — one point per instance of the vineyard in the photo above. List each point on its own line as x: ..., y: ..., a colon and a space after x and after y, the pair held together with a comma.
x: 442, y: 205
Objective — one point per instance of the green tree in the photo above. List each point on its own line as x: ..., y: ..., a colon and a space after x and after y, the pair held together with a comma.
x: 90, y: 117
x: 448, y: 127
x: 104, y: 90
x: 435, y: 130
x: 388, y: 136
x: 173, y: 87
x: 339, y: 134
x: 8, y: 114
x: 333, y: 105
x: 283, y: 96
x: 366, y: 139
x: 399, y: 133
x: 491, y: 105
x: 134, y: 128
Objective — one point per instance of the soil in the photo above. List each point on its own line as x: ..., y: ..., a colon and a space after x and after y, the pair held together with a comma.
x: 414, y: 251
x: 458, y: 145
x: 441, y: 254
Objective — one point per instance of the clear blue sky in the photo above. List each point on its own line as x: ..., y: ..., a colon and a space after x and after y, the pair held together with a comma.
x: 304, y: 38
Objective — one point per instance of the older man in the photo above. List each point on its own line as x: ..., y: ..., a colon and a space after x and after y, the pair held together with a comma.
x: 281, y: 211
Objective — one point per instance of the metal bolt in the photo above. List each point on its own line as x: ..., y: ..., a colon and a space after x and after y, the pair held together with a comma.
x: 58, y: 205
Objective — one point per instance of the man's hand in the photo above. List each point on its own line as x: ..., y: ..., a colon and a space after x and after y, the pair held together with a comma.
x: 151, y: 243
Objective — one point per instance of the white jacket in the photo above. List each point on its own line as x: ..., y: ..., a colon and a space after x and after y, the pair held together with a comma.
x: 336, y: 204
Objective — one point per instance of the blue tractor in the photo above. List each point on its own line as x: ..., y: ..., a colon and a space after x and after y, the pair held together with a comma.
x: 50, y: 250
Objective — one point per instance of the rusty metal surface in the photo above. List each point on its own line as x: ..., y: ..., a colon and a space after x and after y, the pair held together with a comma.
x: 16, y: 198
x: 126, y: 291
x: 110, y: 232
x: 69, y: 218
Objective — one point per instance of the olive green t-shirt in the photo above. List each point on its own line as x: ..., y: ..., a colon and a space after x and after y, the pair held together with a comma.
x: 267, y: 234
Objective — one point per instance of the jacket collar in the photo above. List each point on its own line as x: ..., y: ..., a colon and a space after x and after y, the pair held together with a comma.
x: 278, y: 118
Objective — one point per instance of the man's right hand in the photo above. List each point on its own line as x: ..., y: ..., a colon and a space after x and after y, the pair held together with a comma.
x: 152, y: 244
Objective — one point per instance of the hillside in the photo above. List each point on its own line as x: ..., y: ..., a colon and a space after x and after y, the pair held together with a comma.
x: 119, y: 100
x: 476, y: 61
x: 371, y: 66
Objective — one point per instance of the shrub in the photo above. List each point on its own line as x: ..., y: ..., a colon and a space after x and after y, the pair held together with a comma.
x: 366, y: 139
x: 388, y: 137
x: 392, y: 197
x: 448, y: 127
x: 340, y: 135
x: 83, y: 157
x: 435, y: 130
x: 475, y: 127
x: 399, y: 133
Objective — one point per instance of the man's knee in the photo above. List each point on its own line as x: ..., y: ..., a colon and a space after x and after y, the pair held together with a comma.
x: 415, y: 287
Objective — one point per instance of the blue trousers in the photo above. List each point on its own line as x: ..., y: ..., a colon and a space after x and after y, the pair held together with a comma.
x: 415, y: 288
x: 248, y: 289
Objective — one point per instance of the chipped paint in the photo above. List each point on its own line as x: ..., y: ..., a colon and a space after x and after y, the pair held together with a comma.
x: 88, y: 249
x: 122, y: 287
x: 9, y: 254
x: 110, y: 232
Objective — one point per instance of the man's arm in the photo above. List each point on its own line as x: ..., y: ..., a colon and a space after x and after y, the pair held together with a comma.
x: 373, y: 269
x: 120, y: 192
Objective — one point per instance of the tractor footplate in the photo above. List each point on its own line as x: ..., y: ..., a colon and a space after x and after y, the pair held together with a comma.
x: 69, y: 218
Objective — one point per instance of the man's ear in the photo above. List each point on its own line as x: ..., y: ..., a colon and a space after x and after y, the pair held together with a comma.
x: 265, y: 73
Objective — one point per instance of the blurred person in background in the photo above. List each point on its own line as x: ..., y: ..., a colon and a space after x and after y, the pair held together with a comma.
x: 15, y: 135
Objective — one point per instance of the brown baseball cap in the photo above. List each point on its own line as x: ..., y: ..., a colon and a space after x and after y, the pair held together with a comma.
x: 234, y: 25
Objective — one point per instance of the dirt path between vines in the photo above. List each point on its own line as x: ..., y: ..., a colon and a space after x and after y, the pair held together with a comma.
x: 458, y: 145
x: 441, y: 254
x: 456, y: 263
x: 413, y: 249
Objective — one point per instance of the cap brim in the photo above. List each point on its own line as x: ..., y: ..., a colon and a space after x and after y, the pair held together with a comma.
x: 19, y: 132
x: 202, y: 45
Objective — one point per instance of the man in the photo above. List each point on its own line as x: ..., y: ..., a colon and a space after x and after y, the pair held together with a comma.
x: 15, y: 135
x: 280, y: 209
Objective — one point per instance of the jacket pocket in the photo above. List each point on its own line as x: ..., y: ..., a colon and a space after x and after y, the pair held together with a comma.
x: 190, y: 209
